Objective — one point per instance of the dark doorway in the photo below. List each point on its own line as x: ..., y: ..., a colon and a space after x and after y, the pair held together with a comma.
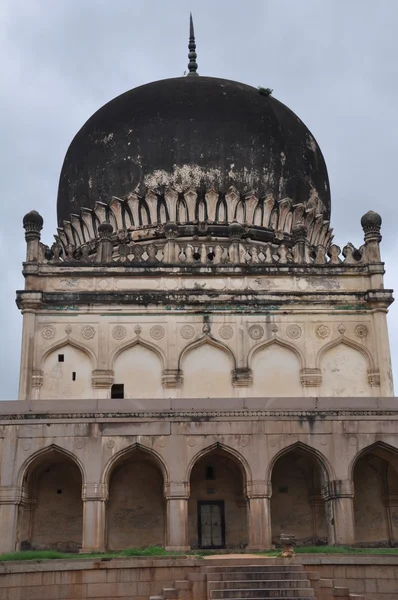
x: 211, y: 524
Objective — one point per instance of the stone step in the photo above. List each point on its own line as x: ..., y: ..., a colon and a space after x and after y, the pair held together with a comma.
x: 254, y: 575
x: 262, y: 593
x: 253, y: 567
x: 295, y: 597
x: 259, y: 584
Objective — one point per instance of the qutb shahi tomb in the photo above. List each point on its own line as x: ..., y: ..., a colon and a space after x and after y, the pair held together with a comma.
x: 202, y: 367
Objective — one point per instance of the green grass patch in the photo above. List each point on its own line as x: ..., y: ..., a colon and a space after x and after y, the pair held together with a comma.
x: 341, y: 550
x: 54, y: 554
x: 39, y: 555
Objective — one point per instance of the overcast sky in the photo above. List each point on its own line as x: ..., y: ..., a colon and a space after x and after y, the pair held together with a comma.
x: 333, y: 62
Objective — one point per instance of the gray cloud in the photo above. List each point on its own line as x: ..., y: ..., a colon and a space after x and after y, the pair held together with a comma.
x: 332, y: 62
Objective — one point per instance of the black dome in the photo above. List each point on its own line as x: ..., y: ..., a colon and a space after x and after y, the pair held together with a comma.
x: 196, y: 132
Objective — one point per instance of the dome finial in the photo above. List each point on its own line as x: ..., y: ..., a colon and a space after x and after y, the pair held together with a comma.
x: 192, y: 65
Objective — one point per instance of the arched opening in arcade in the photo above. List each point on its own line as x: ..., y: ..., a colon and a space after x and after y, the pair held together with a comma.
x: 297, y: 505
x: 217, y: 508
x: 375, y: 478
x: 51, y: 512
x: 136, y: 506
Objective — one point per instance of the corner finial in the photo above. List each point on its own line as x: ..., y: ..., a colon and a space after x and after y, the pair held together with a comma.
x: 192, y: 65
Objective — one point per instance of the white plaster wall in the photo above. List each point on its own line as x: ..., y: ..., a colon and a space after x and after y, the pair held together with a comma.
x: 344, y: 372
x: 140, y: 370
x: 57, y: 376
x: 276, y: 372
x: 207, y: 373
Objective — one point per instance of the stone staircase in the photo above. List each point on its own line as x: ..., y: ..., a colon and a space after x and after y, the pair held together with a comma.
x: 278, y: 580
x: 250, y: 582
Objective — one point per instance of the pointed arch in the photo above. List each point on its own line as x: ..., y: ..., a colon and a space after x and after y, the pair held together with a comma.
x: 24, y: 469
x: 231, y: 453
x: 135, y: 342
x: 347, y: 342
x: 380, y: 449
x: 206, y: 339
x: 276, y: 340
x: 69, y: 341
x: 113, y: 461
x: 320, y: 458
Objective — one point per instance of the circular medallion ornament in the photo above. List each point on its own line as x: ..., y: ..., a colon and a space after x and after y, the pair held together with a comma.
x: 79, y: 444
x: 226, y: 332
x: 119, y: 332
x: 187, y: 332
x: 361, y: 331
x: 48, y: 332
x: 293, y: 331
x: 88, y: 332
x: 156, y: 332
x: 323, y: 331
x: 256, y: 332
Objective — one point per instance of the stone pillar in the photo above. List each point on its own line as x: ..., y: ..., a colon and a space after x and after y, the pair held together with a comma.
x: 33, y: 224
x: 383, y: 377
x: 177, y: 495
x: 29, y: 302
x: 259, y: 514
x: 10, y: 499
x: 105, y: 247
x: 94, y: 496
x: 339, y: 498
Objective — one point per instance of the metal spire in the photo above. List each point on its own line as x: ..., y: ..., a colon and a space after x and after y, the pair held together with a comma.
x: 192, y: 65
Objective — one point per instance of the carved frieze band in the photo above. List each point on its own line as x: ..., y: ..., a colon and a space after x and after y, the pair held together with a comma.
x: 215, y: 414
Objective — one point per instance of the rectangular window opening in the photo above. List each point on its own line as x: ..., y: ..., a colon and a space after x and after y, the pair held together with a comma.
x: 117, y: 390
x: 74, y: 376
x: 61, y: 358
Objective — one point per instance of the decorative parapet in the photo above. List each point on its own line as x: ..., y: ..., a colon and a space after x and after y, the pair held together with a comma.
x: 95, y: 492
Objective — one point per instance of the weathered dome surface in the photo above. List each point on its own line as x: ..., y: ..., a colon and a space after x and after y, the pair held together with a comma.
x: 192, y: 132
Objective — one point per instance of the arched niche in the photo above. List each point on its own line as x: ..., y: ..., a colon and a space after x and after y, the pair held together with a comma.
x: 344, y: 370
x: 51, y: 516
x: 297, y: 505
x: 375, y: 479
x: 217, y: 508
x: 276, y: 371
x: 136, y: 506
x: 207, y: 371
x: 139, y: 369
x: 67, y: 373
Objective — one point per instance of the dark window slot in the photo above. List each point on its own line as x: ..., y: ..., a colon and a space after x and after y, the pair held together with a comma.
x: 117, y: 390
